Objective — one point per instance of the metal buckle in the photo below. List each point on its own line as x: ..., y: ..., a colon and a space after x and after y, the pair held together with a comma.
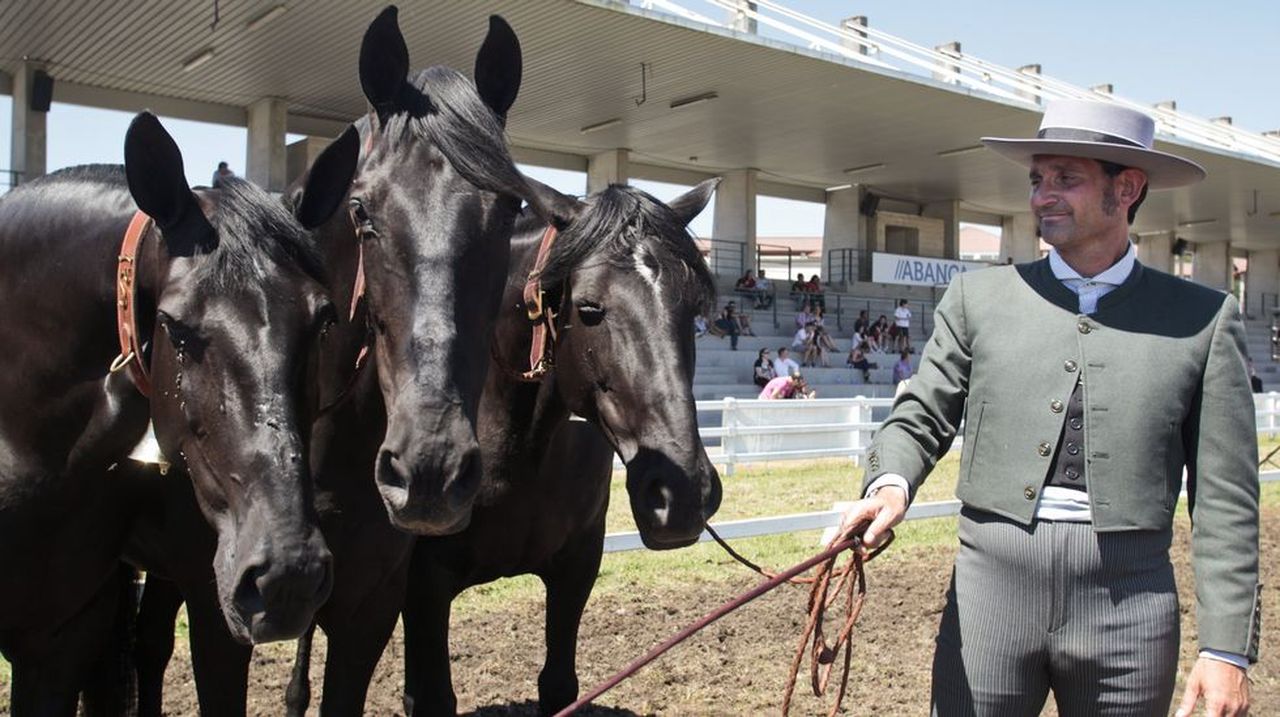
x: 535, y: 311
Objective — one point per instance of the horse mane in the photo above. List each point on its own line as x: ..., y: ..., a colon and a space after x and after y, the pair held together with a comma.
x: 254, y: 231
x: 442, y: 106
x: 616, y: 221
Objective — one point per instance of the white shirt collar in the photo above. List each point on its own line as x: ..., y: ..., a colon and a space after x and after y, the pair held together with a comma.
x: 1115, y: 275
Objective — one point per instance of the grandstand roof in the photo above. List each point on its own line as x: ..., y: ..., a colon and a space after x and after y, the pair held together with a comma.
x: 801, y: 116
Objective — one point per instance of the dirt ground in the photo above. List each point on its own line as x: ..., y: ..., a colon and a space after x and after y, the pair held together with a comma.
x: 736, y: 667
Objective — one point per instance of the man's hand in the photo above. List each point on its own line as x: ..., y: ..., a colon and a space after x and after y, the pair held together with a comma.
x: 885, y: 509
x: 1224, y: 687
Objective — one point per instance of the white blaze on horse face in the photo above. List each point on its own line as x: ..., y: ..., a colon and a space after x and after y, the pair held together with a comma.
x: 647, y: 272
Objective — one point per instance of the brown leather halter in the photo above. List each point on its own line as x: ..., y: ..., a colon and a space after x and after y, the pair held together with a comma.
x: 542, y: 350
x: 126, y: 294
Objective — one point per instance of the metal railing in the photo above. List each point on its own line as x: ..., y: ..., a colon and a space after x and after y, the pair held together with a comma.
x: 876, y: 48
x: 10, y: 178
x: 791, y: 423
x: 728, y: 258
x: 760, y: 247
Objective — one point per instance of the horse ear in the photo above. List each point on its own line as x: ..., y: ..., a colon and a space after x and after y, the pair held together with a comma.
x: 329, y: 179
x: 550, y: 205
x: 691, y: 203
x: 384, y: 62
x: 158, y: 183
x: 499, y: 67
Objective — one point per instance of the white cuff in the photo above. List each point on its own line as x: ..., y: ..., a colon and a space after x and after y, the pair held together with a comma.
x: 888, y: 480
x: 1230, y: 658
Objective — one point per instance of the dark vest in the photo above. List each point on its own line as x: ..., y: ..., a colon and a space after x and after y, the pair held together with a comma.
x: 1067, y: 470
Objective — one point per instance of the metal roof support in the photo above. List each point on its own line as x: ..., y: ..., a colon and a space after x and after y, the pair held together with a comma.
x: 742, y: 18
x: 735, y: 214
x: 267, y: 162
x: 856, y: 27
x: 607, y: 167
x: 1031, y: 94
x: 28, y: 143
x: 948, y: 73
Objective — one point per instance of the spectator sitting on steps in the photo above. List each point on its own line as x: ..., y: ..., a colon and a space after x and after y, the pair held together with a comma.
x: 792, y: 386
x: 727, y: 325
x: 784, y: 365
x: 858, y: 359
x: 764, y: 291
x: 763, y: 371
x: 902, y: 370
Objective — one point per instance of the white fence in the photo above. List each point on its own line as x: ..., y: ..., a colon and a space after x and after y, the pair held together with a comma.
x: 756, y: 431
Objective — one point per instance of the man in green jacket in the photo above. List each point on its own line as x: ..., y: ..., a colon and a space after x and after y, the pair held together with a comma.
x: 1087, y: 383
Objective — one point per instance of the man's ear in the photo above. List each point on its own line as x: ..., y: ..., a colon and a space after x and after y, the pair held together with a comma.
x: 1129, y: 184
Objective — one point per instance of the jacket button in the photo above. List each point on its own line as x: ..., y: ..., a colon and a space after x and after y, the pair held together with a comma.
x: 1055, y: 405
x: 1044, y: 448
x: 1029, y: 493
x: 1084, y: 327
x: 1069, y: 366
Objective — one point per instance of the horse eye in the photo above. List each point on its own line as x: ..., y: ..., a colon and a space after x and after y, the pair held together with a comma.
x: 325, y: 319
x: 360, y: 215
x: 591, y: 313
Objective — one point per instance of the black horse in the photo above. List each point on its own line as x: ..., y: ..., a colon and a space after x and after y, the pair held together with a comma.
x: 627, y: 281
x: 433, y: 207
x: 227, y: 290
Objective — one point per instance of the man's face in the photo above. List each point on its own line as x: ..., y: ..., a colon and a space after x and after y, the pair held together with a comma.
x: 783, y: 354
x: 1073, y: 200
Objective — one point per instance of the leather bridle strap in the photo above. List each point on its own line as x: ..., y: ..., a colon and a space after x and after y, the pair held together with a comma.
x: 541, y: 351
x: 126, y: 297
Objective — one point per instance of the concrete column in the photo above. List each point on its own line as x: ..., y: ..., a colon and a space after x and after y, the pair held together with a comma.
x: 856, y: 25
x: 299, y: 156
x: 1156, y: 251
x: 1018, y: 239
x: 605, y: 168
x: 739, y: 20
x: 267, y: 162
x: 949, y: 213
x: 735, y: 222
x: 1262, y: 281
x: 1212, y: 265
x: 949, y: 72
x: 844, y: 227
x: 28, y: 142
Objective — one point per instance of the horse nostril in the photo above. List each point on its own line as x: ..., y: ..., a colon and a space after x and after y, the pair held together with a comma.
x: 248, y: 595
x: 657, y: 498
x: 466, y: 481
x: 391, y: 473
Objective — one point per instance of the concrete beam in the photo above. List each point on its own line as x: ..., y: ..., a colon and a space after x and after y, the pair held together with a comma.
x: 857, y: 26
x: 106, y: 99
x: 316, y: 126
x: 1033, y: 72
x: 300, y: 154
x: 949, y: 72
x: 735, y: 223
x: 791, y: 191
x: 267, y: 160
x: 549, y: 158
x: 608, y: 167
x: 28, y: 141
x: 669, y: 175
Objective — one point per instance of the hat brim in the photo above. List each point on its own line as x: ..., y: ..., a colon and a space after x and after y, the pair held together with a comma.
x: 1163, y: 170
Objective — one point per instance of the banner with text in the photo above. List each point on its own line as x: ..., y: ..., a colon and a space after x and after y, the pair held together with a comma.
x: 917, y: 270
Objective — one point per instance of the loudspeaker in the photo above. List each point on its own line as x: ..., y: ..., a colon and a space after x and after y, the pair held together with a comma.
x: 41, y: 91
x: 867, y: 207
x: 1179, y: 246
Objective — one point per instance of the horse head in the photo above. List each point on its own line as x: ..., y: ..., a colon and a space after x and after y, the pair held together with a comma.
x: 239, y: 306
x: 433, y: 204
x: 630, y: 280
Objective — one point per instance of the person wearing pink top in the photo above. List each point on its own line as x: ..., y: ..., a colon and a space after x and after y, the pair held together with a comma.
x: 792, y: 386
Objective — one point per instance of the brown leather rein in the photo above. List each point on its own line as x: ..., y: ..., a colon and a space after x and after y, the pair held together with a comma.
x: 851, y: 584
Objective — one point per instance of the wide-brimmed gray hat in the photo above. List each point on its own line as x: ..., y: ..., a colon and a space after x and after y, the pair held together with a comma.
x: 1103, y: 131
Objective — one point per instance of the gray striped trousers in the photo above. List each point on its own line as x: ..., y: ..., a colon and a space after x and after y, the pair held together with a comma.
x: 1092, y: 617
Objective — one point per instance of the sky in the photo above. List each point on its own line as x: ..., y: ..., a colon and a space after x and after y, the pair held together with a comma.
x: 1213, y: 58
